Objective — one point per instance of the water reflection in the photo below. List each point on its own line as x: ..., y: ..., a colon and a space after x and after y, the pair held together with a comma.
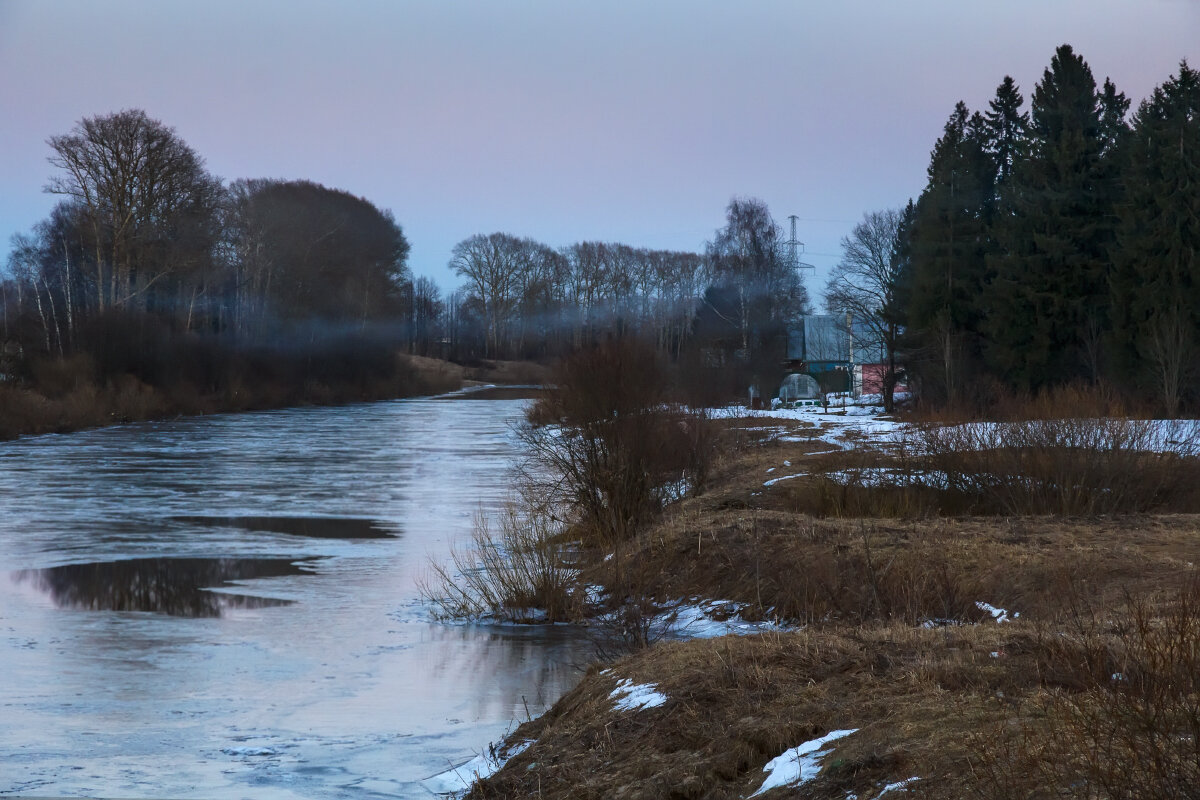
x: 352, y: 689
x: 314, y: 527
x: 179, y: 587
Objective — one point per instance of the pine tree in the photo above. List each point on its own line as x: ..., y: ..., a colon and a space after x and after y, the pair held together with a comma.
x: 948, y: 243
x: 1007, y: 130
x: 1049, y: 297
x: 1156, y: 278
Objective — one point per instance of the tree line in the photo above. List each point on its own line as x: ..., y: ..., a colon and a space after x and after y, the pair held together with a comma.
x: 722, y: 313
x: 147, y: 256
x: 1054, y: 245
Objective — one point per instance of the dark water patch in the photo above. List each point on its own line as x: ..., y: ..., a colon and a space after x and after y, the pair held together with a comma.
x: 314, y: 527
x: 178, y: 587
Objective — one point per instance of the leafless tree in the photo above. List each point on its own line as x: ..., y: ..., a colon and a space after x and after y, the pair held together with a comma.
x: 1170, y: 350
x: 140, y: 185
x: 865, y: 284
x: 492, y: 266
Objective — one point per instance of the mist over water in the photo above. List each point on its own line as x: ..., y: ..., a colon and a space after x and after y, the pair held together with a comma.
x: 226, y: 606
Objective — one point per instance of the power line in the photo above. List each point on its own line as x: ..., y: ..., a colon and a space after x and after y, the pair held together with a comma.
x: 795, y: 248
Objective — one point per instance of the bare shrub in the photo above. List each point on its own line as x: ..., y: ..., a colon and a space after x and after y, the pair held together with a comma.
x: 58, y: 377
x: 1122, y: 719
x: 513, y: 569
x: 1065, y: 466
x: 605, y: 445
x: 604, y: 453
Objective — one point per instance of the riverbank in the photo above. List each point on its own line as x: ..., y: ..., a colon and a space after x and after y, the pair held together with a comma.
x: 64, y: 398
x: 919, y: 654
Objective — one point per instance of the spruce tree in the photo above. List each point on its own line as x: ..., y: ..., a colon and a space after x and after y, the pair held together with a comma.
x: 1049, y: 296
x: 948, y: 242
x: 1156, y: 277
x: 1007, y: 130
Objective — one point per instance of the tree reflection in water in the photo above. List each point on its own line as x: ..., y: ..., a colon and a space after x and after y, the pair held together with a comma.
x: 175, y: 586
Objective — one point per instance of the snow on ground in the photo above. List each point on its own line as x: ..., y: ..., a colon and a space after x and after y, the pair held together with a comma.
x: 998, y: 614
x: 632, y: 696
x: 891, y: 787
x: 800, y: 764
x: 863, y: 425
x: 774, y: 481
x: 457, y: 781
x: 698, y: 619
x: 882, y: 476
x: 834, y: 428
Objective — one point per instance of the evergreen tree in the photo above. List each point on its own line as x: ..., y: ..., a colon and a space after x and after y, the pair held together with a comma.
x: 1156, y: 277
x: 1007, y: 130
x: 895, y: 307
x: 948, y: 241
x: 1049, y: 297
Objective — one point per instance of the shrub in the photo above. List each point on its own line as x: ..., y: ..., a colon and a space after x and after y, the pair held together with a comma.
x: 605, y: 445
x: 1123, y: 720
x: 514, y: 570
x: 1066, y: 466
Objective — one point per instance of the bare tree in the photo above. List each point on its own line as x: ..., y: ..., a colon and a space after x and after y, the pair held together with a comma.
x: 139, y: 185
x: 866, y: 283
x: 1169, y: 348
x: 492, y: 266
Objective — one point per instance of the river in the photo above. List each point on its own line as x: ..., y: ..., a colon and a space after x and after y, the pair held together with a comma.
x: 227, y: 606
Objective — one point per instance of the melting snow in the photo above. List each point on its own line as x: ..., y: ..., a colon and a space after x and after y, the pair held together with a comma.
x: 458, y: 780
x: 998, y: 614
x: 697, y: 620
x: 635, y: 697
x: 800, y: 764
x: 897, y: 785
x: 774, y: 481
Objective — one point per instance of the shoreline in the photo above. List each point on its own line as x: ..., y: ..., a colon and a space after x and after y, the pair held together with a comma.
x: 924, y: 641
x: 26, y: 411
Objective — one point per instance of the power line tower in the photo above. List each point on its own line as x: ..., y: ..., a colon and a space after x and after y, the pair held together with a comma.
x: 796, y: 248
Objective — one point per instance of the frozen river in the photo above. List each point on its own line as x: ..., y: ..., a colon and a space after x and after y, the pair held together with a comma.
x: 312, y: 670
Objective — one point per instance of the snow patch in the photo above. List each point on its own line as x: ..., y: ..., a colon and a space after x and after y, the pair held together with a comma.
x: 800, y: 764
x: 699, y: 619
x: 774, y: 481
x: 632, y: 696
x: 458, y: 781
x: 998, y: 614
x: 897, y: 785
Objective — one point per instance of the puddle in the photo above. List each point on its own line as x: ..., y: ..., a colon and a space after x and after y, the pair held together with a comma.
x: 313, y: 527
x: 178, y: 587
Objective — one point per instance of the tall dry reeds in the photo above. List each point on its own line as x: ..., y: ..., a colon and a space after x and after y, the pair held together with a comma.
x: 514, y: 569
x: 1121, y: 718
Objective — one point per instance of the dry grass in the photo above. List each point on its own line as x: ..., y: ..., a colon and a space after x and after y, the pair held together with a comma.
x: 746, y: 542
x: 1107, y: 709
x: 913, y: 695
x: 974, y: 708
x: 513, y: 569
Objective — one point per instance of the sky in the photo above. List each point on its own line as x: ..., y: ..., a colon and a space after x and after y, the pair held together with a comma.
x: 623, y: 121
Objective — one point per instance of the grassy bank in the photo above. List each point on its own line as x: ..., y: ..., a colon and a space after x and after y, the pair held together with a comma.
x: 973, y: 648
x: 65, y: 395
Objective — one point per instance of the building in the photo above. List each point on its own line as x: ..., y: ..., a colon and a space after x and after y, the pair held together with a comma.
x: 841, y: 353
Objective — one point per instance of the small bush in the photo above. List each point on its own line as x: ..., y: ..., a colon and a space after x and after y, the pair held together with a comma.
x: 605, y: 445
x: 514, y: 570
x: 1065, y: 466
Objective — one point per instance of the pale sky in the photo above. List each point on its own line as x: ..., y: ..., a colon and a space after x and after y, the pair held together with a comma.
x: 564, y: 121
